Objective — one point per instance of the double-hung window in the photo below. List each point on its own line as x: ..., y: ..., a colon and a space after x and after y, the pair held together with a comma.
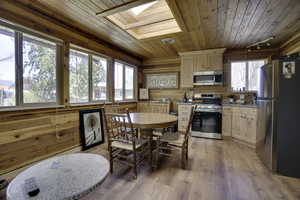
x: 244, y: 75
x: 28, y: 68
x: 88, y: 77
x: 124, y: 76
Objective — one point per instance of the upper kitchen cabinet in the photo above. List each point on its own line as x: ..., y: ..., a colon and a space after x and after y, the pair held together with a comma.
x: 186, y: 71
x: 199, y: 61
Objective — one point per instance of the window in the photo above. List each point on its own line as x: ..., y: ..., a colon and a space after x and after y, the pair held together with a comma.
x: 27, y: 68
x: 79, y: 77
x: 124, y: 82
x: 118, y: 81
x: 244, y: 75
x: 39, y: 70
x: 99, y: 78
x: 7, y: 67
x: 88, y: 77
x: 129, y: 72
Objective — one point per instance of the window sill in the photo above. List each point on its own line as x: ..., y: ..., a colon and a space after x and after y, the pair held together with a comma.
x: 90, y: 104
x: 126, y: 101
x: 11, y: 109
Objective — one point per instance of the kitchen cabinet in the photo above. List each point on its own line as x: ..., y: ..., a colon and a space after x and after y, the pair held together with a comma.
x: 184, y: 112
x: 199, y: 61
x: 153, y: 106
x: 243, y: 123
x: 226, y: 121
x: 186, y: 72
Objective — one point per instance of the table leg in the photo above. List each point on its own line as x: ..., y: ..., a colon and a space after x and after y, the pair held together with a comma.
x: 150, y: 149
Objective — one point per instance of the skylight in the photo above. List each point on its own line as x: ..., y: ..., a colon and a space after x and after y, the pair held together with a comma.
x: 148, y: 20
x: 139, y: 9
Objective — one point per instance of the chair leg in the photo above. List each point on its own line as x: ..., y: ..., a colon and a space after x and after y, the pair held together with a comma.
x: 157, y: 150
x: 135, y: 165
x: 187, y: 153
x: 150, y: 150
x: 183, y: 158
x: 111, y: 161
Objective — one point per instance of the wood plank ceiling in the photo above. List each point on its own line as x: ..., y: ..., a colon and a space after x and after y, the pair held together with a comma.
x: 205, y: 23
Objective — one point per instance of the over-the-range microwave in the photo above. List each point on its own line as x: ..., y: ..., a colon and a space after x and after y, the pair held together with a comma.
x: 208, y: 78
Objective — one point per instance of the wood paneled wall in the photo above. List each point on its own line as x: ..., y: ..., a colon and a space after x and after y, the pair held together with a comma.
x: 32, y: 135
x: 173, y: 65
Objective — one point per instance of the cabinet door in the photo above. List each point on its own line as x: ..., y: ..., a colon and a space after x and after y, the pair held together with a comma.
x: 215, y: 62
x: 250, y: 130
x: 200, y: 63
x: 186, y: 73
x: 236, y: 120
x: 226, y: 124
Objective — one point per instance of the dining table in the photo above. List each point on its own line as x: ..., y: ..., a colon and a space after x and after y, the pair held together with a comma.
x: 65, y: 177
x: 152, y: 121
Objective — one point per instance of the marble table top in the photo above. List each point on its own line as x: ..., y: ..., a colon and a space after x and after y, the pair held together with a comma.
x: 61, y: 178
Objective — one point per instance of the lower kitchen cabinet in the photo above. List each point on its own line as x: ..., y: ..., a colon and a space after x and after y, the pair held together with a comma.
x: 241, y: 124
x: 227, y: 122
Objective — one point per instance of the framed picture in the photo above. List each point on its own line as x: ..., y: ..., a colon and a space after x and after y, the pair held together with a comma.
x: 288, y: 69
x: 144, y: 93
x: 91, y: 128
x: 161, y: 80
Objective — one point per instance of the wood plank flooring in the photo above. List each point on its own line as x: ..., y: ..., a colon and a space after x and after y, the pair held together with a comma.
x: 218, y: 170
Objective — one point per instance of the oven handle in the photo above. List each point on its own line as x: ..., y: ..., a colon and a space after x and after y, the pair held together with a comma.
x: 210, y: 111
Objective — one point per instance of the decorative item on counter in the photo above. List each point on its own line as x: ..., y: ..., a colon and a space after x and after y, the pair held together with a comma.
x: 185, y: 99
x: 231, y: 98
x: 254, y: 98
x: 241, y: 100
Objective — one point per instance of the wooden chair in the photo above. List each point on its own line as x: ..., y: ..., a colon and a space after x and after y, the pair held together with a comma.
x: 123, y: 142
x: 170, y: 141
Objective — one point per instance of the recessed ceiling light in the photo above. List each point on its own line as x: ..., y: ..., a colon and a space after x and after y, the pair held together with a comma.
x: 139, y: 9
x: 168, y: 41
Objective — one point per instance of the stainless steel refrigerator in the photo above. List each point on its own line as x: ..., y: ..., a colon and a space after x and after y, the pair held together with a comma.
x: 278, y: 101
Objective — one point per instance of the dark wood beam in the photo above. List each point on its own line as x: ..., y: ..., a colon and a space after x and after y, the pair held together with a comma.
x: 122, y: 7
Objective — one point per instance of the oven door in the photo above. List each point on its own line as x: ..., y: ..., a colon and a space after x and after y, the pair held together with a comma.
x: 207, y: 124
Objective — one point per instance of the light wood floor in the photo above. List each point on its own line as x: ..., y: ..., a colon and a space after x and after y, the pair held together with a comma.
x: 218, y: 170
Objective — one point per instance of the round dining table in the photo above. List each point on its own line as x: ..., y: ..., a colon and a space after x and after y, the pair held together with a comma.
x: 63, y: 177
x: 152, y: 121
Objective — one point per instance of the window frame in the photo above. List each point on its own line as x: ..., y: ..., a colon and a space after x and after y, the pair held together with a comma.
x: 90, y: 75
x: 19, y: 92
x: 125, y: 64
x: 247, y: 74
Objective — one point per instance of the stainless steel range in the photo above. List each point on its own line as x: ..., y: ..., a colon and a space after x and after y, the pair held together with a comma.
x: 207, y: 121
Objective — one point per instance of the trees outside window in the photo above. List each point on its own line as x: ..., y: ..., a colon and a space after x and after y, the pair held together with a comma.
x: 39, y: 70
x: 129, y: 83
x: 79, y: 77
x: 28, y: 73
x: 99, y: 76
x: 88, y: 77
x: 124, y: 82
x: 7, y: 67
x: 244, y: 75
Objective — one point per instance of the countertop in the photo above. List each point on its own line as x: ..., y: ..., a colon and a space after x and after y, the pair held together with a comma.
x: 184, y: 103
x: 240, y: 105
